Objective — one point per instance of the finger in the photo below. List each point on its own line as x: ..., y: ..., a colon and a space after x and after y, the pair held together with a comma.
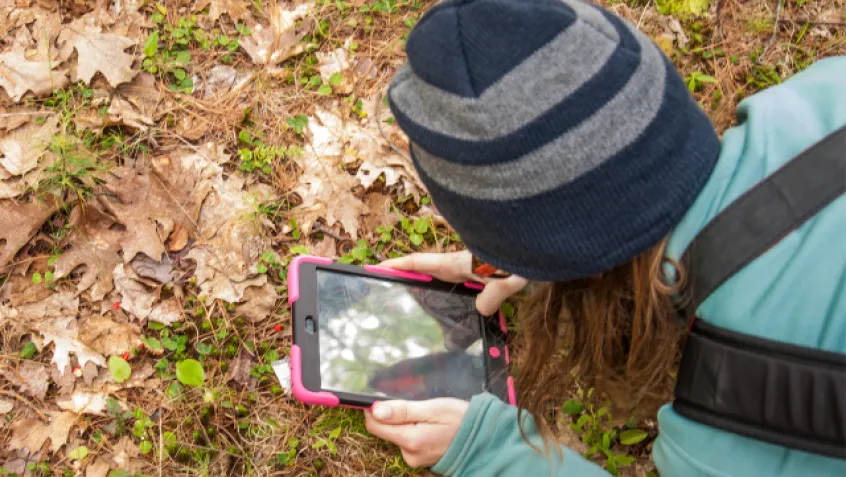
x: 497, y: 291
x: 445, y: 266
x: 403, y: 412
x: 400, y: 434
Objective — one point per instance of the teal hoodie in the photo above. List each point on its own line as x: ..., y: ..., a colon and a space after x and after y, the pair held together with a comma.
x: 795, y: 293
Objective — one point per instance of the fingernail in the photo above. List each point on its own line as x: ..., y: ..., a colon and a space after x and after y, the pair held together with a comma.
x: 382, y: 412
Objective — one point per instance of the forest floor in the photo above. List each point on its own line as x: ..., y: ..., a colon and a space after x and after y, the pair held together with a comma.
x: 161, y: 163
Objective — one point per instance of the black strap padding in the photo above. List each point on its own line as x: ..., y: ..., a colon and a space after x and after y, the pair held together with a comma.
x: 775, y: 392
x: 764, y: 215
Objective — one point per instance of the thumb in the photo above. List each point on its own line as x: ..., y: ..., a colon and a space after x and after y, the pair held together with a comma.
x: 497, y: 291
x: 401, y: 412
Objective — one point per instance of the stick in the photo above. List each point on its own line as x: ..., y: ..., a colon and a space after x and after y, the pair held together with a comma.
x: 775, y: 31
x: 31, y: 406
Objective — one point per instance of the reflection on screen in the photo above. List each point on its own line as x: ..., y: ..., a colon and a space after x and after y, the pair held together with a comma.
x: 386, y: 338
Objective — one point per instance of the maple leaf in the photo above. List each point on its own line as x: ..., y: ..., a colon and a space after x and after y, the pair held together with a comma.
x: 273, y: 45
x: 32, y: 434
x: 19, y: 75
x: 22, y: 148
x: 18, y: 223
x: 97, y: 51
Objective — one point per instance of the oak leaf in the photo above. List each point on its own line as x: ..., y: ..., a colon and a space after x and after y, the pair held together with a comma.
x: 63, y: 334
x: 23, y: 147
x: 18, y: 223
x: 32, y: 434
x: 274, y: 44
x: 93, y: 242
x: 19, y: 75
x: 97, y: 51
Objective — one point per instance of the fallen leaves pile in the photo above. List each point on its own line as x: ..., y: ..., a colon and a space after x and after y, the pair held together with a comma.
x: 95, y: 248
x: 160, y: 165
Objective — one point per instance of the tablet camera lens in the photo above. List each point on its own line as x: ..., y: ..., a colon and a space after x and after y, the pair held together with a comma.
x: 309, y: 325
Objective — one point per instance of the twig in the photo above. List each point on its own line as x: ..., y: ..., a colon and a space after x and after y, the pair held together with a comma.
x: 325, y: 231
x: 775, y: 31
x: 643, y: 14
x: 803, y: 21
x: 31, y: 406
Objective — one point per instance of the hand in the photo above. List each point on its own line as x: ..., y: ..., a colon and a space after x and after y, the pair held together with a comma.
x: 423, y: 430
x: 456, y: 268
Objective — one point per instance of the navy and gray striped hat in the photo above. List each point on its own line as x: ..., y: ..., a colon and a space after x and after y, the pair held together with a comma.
x: 555, y: 138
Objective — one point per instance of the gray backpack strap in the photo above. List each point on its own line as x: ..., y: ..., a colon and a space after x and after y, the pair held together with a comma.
x: 764, y: 215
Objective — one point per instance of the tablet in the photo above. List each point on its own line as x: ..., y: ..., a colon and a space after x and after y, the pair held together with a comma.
x: 367, y: 334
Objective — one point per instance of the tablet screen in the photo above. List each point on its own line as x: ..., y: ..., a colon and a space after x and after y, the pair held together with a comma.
x: 384, y: 338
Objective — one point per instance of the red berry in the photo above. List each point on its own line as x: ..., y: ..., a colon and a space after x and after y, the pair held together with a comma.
x: 115, y: 305
x: 277, y: 328
x: 125, y: 355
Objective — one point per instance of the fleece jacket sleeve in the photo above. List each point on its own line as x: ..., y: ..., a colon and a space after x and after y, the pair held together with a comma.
x: 489, y: 443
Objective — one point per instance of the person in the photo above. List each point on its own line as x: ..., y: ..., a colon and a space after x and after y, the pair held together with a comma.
x: 565, y: 149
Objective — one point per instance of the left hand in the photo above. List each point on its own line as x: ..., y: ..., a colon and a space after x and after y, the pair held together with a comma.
x: 423, y: 430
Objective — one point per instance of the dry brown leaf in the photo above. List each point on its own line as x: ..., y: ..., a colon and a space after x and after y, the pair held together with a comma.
x: 231, y: 241
x: 19, y: 75
x: 108, y: 337
x: 18, y: 223
x: 336, y: 61
x: 259, y: 302
x: 99, y: 468
x: 220, y: 80
x: 237, y: 10
x: 215, y: 282
x: 143, y: 93
x: 31, y: 378
x: 63, y: 332
x: 6, y: 406
x: 22, y: 148
x: 146, y: 267
x: 93, y: 242
x: 84, y: 402
x: 135, y: 297
x: 272, y: 45
x: 241, y: 367
x: 178, y: 238
x: 64, y: 383
x: 10, y: 121
x: 166, y: 312
x: 325, y: 248
x: 97, y: 51
x: 125, y: 455
x: 32, y: 434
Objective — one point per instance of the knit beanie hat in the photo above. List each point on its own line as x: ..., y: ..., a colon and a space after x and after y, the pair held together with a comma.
x: 555, y: 138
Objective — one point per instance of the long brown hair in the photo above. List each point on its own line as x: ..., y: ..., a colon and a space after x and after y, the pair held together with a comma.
x: 617, y: 332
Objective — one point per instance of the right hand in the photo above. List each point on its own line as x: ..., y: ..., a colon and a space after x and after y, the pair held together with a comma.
x: 456, y: 268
